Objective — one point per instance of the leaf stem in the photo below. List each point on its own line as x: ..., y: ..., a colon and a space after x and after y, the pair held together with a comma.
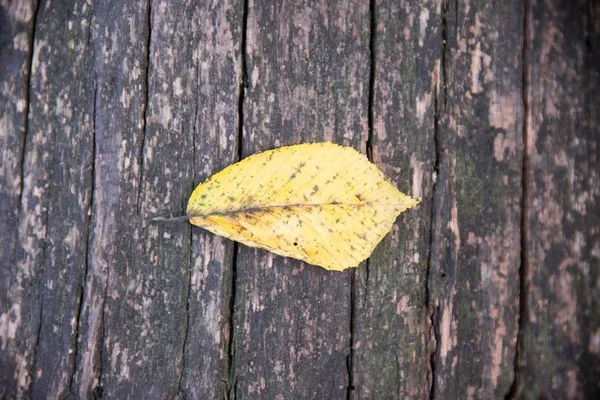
x: 172, y: 219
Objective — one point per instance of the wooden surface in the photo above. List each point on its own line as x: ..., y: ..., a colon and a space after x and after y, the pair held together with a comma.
x: 111, y: 113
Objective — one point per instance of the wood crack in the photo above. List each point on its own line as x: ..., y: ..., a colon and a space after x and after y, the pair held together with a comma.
x: 191, y: 243
x: 27, y: 100
x: 32, y: 373
x: 231, y: 365
x: 440, y: 162
x: 369, y: 152
x: 231, y: 377
x: 145, y: 103
x: 186, y: 322
x: 89, y: 208
x: 523, y: 269
x: 23, y: 153
x: 350, y: 357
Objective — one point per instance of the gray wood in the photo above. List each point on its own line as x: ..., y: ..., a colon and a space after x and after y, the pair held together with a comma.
x: 390, y: 354
x: 307, y: 74
x: 475, y: 253
x: 560, y: 351
x: 217, y: 87
x: 112, y: 112
x: 154, y: 304
x: 18, y: 288
x: 52, y: 228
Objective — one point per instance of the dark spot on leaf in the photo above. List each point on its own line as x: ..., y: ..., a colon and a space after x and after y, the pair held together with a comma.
x: 231, y: 198
x: 295, y: 243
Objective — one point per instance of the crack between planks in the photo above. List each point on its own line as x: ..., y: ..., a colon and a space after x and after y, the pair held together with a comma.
x: 231, y: 378
x: 32, y: 373
x: 372, y: 65
x: 186, y: 317
x: 444, y: 60
x: 27, y: 99
x: 431, y: 308
x: 146, y: 101
x: 370, y: 112
x: 191, y: 253
x: 515, y: 388
x: 103, y: 329
x: 186, y: 322
x: 350, y: 357
x: 22, y: 182
x: 89, y: 206
x: 369, y: 151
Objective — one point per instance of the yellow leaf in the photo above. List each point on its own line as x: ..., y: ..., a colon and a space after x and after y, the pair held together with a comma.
x: 321, y: 203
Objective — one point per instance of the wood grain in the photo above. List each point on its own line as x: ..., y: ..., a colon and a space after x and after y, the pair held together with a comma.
x: 390, y: 355
x: 19, y: 291
x: 307, y: 80
x: 110, y: 114
x: 217, y: 63
x: 560, y: 352
x: 53, y: 212
x: 475, y: 254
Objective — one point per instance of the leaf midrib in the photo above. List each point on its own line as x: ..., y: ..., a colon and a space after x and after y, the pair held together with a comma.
x: 295, y: 205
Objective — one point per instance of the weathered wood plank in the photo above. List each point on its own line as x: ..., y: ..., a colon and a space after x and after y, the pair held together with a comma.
x: 216, y: 33
x: 60, y: 126
x: 111, y: 113
x: 117, y: 66
x: 53, y: 218
x: 17, y: 286
x: 474, y: 276
x: 140, y: 270
x: 146, y: 301
x: 307, y: 76
x: 390, y: 335
x: 560, y: 351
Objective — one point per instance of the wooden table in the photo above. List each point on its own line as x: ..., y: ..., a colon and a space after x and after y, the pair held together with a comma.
x: 112, y: 112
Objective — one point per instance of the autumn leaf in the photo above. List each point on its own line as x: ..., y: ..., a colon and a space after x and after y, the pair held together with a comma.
x: 321, y: 203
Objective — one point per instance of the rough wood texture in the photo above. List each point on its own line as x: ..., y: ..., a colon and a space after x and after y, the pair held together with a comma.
x: 475, y: 254
x: 18, y: 324
x: 561, y: 320
x: 112, y: 112
x: 390, y: 354
x: 307, y: 75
